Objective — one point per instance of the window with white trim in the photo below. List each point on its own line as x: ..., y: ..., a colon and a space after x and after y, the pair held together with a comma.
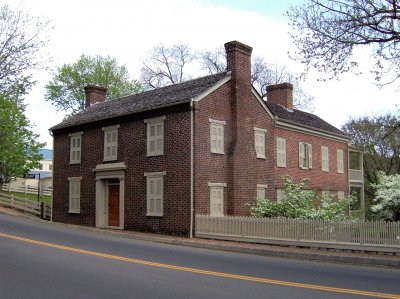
x: 280, y: 195
x: 155, y: 193
x: 305, y: 155
x: 280, y: 152
x: 325, y: 158
x: 110, y: 143
x: 155, y: 136
x: 74, y: 195
x: 259, y: 142
x: 216, y: 199
x: 217, y: 136
x: 340, y: 161
x: 75, y: 148
x: 261, y: 191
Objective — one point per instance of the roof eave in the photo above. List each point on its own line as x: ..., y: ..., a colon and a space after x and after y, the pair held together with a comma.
x: 311, y: 130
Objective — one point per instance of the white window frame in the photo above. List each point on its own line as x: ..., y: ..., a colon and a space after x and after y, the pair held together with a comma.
x: 110, y: 146
x: 259, y: 142
x: 340, y: 160
x: 280, y: 195
x: 325, y: 158
x: 280, y: 152
x: 75, y: 151
x: 155, y: 180
x: 261, y: 194
x: 155, y: 142
x: 217, y: 142
x: 74, y: 196
x: 305, y: 155
x: 216, y: 188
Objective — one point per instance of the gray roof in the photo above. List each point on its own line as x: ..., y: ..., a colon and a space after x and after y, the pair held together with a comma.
x: 178, y: 94
x: 303, y: 119
x: 157, y: 98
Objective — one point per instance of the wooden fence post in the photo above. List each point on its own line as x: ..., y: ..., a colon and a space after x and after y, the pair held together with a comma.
x: 42, y: 210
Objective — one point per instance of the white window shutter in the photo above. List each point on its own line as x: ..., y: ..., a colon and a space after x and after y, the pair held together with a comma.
x: 301, y: 154
x: 309, y: 147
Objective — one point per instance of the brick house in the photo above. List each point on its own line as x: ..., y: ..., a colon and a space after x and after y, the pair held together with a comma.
x: 209, y: 145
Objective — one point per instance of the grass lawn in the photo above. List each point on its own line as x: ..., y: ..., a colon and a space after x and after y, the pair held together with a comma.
x: 33, y: 197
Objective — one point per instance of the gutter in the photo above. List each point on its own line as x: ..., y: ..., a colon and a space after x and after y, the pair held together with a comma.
x: 191, y: 167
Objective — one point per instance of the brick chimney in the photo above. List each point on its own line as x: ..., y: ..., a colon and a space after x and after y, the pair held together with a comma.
x: 281, y: 94
x: 238, y: 61
x: 94, y: 94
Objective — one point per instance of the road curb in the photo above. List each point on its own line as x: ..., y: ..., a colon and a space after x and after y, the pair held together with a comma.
x: 239, y: 247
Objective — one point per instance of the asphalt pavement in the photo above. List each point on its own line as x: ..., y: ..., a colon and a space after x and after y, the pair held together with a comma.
x: 334, y: 256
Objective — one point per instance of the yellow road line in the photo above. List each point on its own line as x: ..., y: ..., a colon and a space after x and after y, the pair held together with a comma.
x: 205, y: 272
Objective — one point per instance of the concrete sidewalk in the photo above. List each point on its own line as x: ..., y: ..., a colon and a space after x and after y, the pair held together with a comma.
x: 333, y: 256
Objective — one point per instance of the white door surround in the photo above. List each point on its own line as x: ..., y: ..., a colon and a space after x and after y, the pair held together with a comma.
x: 105, y: 173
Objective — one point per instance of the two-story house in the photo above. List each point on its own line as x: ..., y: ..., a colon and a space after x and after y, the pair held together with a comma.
x: 212, y: 145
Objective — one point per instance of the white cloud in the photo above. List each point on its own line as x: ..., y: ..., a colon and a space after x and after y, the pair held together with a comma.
x: 127, y: 30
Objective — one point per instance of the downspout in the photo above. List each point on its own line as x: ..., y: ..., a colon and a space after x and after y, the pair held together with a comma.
x: 191, y: 167
x: 52, y: 177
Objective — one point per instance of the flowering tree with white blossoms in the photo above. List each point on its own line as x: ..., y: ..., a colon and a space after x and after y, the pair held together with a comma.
x: 387, y: 197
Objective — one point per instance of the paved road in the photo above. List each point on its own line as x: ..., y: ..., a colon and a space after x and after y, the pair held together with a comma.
x: 44, y: 260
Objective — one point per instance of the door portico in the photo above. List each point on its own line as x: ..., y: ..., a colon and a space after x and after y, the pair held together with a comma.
x: 110, y: 181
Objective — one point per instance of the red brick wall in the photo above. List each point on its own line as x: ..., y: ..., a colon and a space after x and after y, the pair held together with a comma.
x: 132, y: 151
x: 318, y: 179
x: 238, y: 167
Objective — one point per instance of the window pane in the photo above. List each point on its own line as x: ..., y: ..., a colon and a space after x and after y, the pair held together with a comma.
x: 152, y: 130
x: 159, y: 130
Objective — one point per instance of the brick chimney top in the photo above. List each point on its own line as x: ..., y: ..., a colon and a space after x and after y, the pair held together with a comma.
x: 238, y: 46
x: 281, y: 94
x: 94, y: 94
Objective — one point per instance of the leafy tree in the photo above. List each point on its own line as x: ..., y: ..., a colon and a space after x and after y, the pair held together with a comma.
x: 65, y: 91
x: 379, y: 139
x: 22, y: 40
x: 387, y: 198
x: 166, y: 65
x: 329, y: 31
x: 19, y: 152
x: 299, y: 203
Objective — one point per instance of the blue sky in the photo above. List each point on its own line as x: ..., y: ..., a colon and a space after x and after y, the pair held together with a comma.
x: 128, y: 29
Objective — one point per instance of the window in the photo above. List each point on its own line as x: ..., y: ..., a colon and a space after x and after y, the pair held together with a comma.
x: 216, y: 199
x: 281, y: 152
x: 305, y: 155
x: 261, y: 191
x: 340, y: 166
x: 75, y: 148
x: 75, y: 195
x: 155, y: 193
x: 259, y: 142
x: 155, y: 136
x: 326, y: 193
x: 279, y: 195
x: 110, y: 143
x: 50, y: 167
x: 325, y: 158
x: 217, y: 136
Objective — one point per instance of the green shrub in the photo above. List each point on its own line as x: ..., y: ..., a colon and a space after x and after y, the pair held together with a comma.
x: 299, y: 203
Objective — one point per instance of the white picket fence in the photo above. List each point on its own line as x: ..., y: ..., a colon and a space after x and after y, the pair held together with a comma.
x: 353, y: 235
x: 39, y: 209
x: 27, y: 189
